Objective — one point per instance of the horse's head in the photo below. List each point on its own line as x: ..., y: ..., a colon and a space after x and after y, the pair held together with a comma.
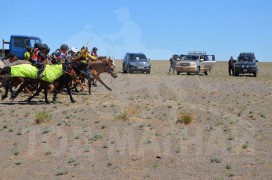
x: 110, y: 67
x: 111, y: 70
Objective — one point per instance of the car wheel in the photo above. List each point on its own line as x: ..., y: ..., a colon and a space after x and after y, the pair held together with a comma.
x: 178, y: 73
x: 255, y: 74
x: 124, y: 70
x: 236, y: 74
x: 206, y: 73
x: 188, y: 73
x: 148, y: 72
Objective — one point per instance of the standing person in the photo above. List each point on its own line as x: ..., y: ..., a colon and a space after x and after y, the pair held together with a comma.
x: 172, y: 64
x: 231, y: 66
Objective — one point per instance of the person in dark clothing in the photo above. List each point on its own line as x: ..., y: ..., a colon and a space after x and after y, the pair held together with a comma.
x: 231, y: 66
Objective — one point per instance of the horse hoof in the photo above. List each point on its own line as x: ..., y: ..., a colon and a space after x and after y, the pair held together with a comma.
x: 109, y: 89
x: 4, y: 97
x: 73, y: 101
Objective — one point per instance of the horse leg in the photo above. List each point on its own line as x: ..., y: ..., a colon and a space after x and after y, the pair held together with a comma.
x: 55, y: 94
x: 69, y: 92
x: 45, y: 95
x: 28, y: 91
x: 36, y: 94
x: 100, y: 80
x: 6, y: 86
x: 90, y: 85
x: 22, y: 86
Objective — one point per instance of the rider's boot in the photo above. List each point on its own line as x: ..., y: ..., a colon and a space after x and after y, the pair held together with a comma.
x: 88, y: 74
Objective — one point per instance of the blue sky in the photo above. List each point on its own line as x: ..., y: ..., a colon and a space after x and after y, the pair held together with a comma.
x: 158, y: 28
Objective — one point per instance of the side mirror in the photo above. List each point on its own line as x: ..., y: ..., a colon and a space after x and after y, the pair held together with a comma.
x: 257, y: 61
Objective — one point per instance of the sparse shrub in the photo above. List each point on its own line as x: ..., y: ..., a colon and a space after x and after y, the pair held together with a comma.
x: 130, y: 111
x: 26, y: 114
x: 18, y: 162
x: 216, y: 159
x: 123, y: 116
x: 15, y: 152
x: 77, y: 136
x: 245, y: 146
x: 60, y: 172
x: 147, y: 141
x: 228, y: 166
x: 185, y: 118
x: 19, y: 133
x: 47, y: 153
x: 43, y: 117
x: 95, y: 138
x: 86, y: 149
x: 73, y: 161
x: 231, y: 137
x: 46, y: 130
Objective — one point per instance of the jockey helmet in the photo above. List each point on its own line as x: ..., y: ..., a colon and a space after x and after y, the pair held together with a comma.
x: 37, y: 44
x: 64, y: 47
x: 44, y: 46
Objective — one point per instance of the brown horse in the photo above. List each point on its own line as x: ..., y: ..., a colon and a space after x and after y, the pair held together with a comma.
x: 18, y: 80
x: 103, y: 64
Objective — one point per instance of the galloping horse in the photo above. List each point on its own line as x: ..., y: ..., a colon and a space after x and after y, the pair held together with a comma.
x: 53, y: 73
x: 103, y: 64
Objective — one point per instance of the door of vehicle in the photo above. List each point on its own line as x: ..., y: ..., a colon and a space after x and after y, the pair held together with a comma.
x: 17, y: 46
x: 209, y: 62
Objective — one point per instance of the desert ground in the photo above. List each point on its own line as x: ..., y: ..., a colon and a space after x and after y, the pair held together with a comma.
x: 155, y: 126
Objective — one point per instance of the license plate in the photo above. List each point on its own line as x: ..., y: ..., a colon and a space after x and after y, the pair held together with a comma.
x: 140, y: 67
x: 245, y: 70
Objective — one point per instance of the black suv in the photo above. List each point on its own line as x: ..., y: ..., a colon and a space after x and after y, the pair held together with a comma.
x: 136, y: 63
x: 246, y: 64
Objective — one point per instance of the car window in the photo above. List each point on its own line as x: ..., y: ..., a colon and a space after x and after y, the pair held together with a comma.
x: 246, y: 59
x: 137, y: 57
x: 190, y: 58
x: 20, y: 42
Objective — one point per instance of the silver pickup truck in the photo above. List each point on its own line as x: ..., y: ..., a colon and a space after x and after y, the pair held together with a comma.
x: 195, y: 62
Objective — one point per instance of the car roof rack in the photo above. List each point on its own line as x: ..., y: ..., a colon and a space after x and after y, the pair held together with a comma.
x: 197, y: 52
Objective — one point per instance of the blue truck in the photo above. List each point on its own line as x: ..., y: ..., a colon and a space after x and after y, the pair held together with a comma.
x: 17, y: 45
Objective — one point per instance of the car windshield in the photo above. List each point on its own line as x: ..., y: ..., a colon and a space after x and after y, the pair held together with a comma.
x: 137, y: 57
x: 246, y: 59
x: 190, y: 58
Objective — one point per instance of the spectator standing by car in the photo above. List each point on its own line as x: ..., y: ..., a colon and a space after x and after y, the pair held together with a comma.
x: 172, y: 64
x: 231, y: 66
